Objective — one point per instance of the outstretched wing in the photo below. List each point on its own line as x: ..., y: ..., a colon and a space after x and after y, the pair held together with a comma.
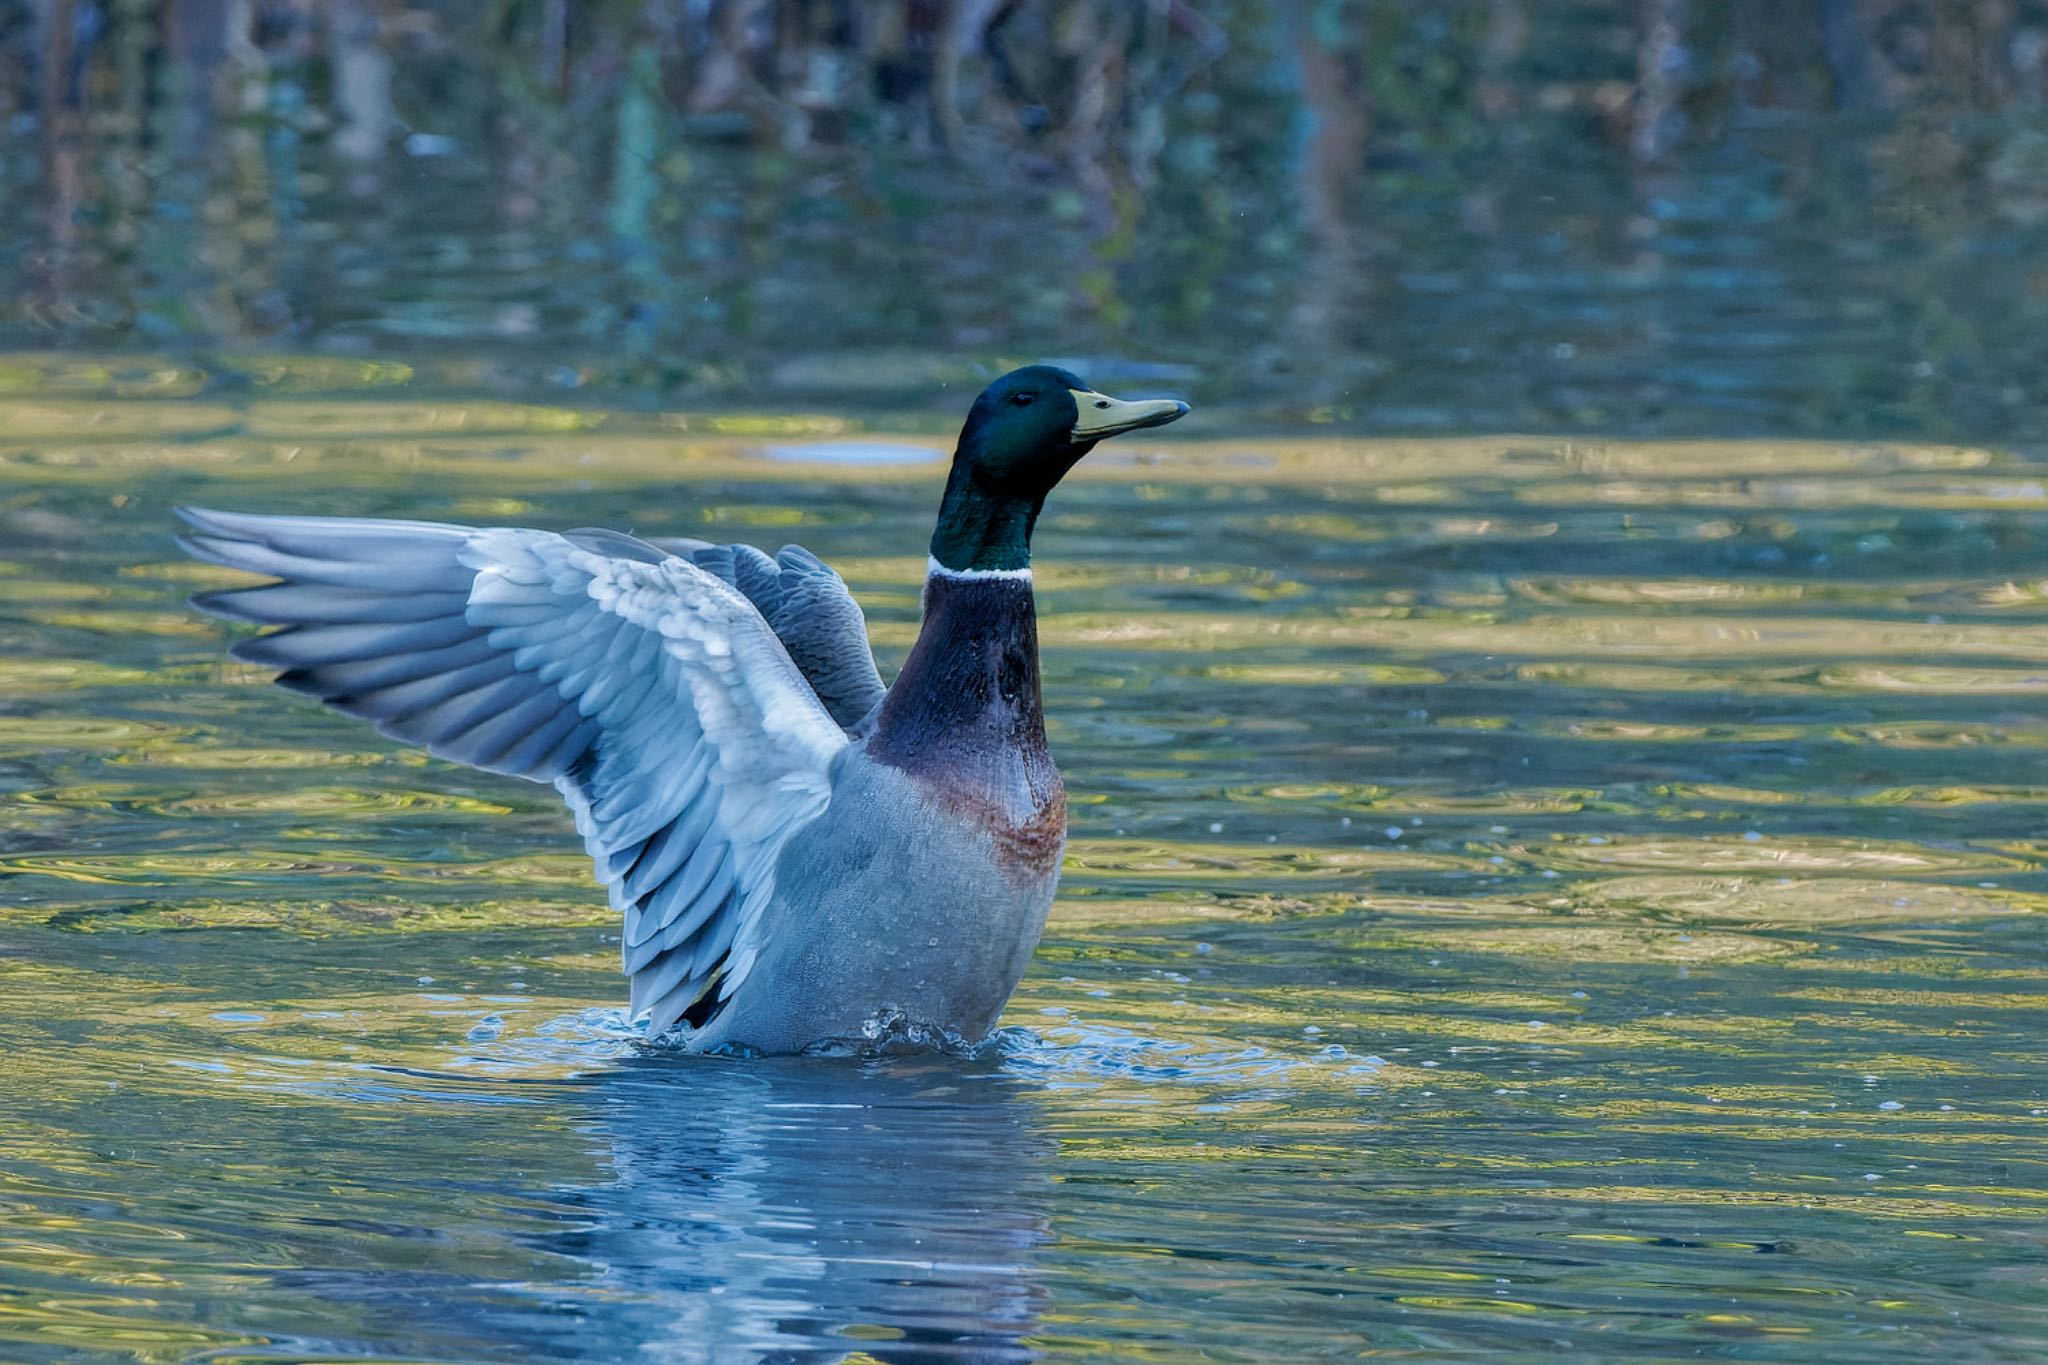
x: 652, y: 694
x: 808, y: 607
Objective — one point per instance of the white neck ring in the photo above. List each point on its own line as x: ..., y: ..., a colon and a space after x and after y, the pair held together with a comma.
x: 934, y: 569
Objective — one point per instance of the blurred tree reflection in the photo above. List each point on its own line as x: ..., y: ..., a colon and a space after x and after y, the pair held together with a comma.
x: 1826, y: 214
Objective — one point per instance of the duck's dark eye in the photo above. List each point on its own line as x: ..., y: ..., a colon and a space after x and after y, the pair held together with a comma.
x: 1022, y: 400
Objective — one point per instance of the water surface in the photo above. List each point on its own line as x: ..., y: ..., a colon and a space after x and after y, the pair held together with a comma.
x: 1825, y: 219
x: 1525, y: 895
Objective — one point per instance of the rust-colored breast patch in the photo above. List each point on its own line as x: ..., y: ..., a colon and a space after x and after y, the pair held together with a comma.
x: 1028, y: 835
x: 1029, y: 849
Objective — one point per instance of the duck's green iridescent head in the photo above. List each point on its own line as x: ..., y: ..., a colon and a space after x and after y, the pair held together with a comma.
x: 1023, y: 434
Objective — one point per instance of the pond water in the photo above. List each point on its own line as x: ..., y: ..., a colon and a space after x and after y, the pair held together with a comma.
x: 1524, y: 895
x: 1404, y: 218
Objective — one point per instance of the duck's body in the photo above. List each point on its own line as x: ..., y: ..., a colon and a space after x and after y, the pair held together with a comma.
x: 798, y: 853
x: 953, y: 789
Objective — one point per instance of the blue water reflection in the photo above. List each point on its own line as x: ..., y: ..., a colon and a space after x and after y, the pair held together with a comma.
x: 801, y: 1208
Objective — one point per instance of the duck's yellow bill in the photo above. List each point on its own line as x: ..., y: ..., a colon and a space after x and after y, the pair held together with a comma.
x: 1101, y: 415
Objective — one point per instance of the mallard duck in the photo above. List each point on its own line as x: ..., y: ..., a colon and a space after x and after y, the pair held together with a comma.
x: 800, y: 853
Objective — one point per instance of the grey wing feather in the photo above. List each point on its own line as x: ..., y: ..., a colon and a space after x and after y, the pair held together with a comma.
x: 808, y: 606
x: 653, y: 695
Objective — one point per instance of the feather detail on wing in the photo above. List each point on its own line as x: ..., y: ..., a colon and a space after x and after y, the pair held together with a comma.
x: 649, y: 691
x: 808, y: 607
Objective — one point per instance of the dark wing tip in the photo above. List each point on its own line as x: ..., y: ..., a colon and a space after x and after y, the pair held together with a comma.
x: 209, y: 521
x: 198, y: 546
x: 219, y: 603
x: 250, y: 650
x: 307, y: 683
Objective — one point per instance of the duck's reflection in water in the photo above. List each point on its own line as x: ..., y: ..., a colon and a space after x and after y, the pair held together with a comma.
x: 803, y: 1210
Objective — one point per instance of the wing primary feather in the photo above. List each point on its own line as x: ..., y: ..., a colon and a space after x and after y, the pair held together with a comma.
x: 667, y: 850
x: 389, y: 574
x: 444, y: 720
x: 399, y: 700
x: 367, y: 675
x: 696, y: 910
x: 327, y: 536
x: 312, y: 646
x: 485, y: 744
x: 276, y: 604
x: 718, y: 938
x: 657, y: 979
x: 535, y: 755
x: 577, y: 744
